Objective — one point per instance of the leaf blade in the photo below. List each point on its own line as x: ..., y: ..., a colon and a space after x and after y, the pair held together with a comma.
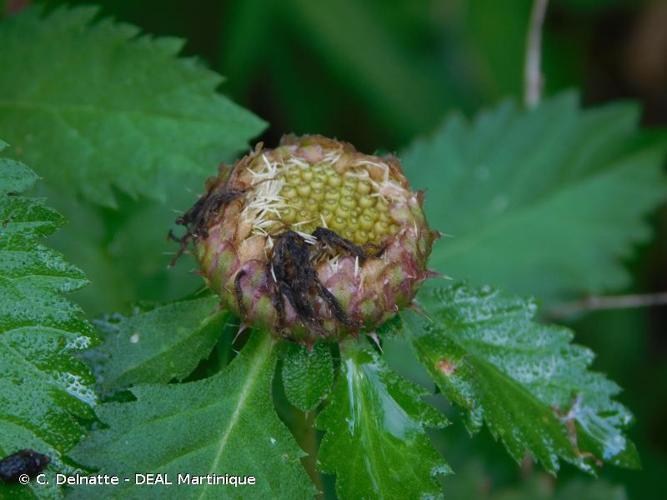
x: 375, y: 440
x: 161, y: 114
x: 538, y: 190
x: 307, y: 375
x: 158, y: 345
x: 525, y: 381
x: 223, y: 424
x: 45, y: 393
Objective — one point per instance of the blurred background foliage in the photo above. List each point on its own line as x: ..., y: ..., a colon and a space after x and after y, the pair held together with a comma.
x: 379, y: 73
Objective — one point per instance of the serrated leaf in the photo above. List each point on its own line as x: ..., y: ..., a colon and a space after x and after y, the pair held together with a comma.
x: 375, y: 440
x: 160, y: 345
x: 45, y: 393
x: 531, y: 198
x: 526, y: 381
x: 16, y: 177
x: 95, y: 104
x: 225, y: 424
x: 308, y: 375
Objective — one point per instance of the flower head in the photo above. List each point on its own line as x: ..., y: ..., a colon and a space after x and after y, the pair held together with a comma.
x: 311, y: 240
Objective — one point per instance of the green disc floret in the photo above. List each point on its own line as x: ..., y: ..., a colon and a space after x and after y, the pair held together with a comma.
x: 319, y: 195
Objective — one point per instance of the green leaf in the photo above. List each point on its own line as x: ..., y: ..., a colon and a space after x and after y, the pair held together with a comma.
x: 16, y: 177
x: 95, y: 104
x: 225, y: 424
x: 159, y: 345
x: 375, y: 439
x: 526, y: 381
x: 308, y: 375
x: 531, y: 198
x: 124, y: 251
x: 45, y: 393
